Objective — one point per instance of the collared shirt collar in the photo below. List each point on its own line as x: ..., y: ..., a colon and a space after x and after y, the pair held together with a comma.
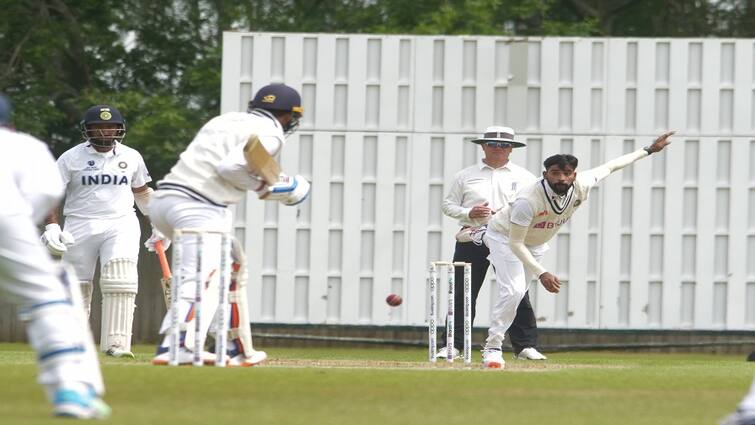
x: 560, y: 199
x: 111, y: 152
x: 483, y: 165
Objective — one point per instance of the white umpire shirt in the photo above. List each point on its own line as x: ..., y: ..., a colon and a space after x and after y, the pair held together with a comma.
x: 482, y: 183
x: 99, y: 185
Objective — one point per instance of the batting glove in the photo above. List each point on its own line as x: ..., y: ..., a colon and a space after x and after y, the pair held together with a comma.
x: 56, y: 240
x: 156, y: 236
x: 288, y: 190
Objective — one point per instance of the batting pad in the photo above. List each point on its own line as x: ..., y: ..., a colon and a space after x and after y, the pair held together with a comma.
x: 86, y: 287
x: 240, y: 331
x: 118, y: 285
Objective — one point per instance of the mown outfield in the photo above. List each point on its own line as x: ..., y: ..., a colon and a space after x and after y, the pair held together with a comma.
x: 394, y: 386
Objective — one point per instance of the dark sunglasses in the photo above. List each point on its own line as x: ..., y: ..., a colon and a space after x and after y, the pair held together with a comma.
x: 498, y: 144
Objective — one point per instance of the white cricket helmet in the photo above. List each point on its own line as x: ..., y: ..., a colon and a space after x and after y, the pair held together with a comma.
x: 501, y: 135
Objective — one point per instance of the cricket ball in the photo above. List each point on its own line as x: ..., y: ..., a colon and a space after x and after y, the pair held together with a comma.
x: 394, y: 300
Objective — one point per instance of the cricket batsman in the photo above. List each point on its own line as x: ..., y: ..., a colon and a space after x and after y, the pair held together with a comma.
x: 212, y: 174
x: 103, y: 179
x: 517, y: 236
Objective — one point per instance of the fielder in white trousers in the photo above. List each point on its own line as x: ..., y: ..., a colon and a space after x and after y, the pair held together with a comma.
x: 48, y: 297
x: 56, y: 324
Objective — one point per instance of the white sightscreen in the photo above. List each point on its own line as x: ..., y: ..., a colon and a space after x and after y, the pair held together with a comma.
x: 668, y: 243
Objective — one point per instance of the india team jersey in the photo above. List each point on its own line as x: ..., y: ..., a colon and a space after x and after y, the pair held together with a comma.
x: 543, y: 211
x: 99, y: 185
x: 29, y: 182
x: 196, y: 173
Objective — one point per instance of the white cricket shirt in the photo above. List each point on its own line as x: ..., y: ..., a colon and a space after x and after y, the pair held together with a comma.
x: 29, y: 181
x: 99, y: 185
x: 219, y: 145
x: 544, y: 211
x: 482, y: 183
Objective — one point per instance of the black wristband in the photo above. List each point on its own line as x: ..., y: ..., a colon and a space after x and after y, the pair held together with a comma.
x: 647, y: 149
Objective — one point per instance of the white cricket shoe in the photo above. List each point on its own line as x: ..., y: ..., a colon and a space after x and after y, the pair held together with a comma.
x: 492, y: 358
x: 442, y: 353
x: 530, y: 353
x: 118, y: 351
x: 240, y: 360
x: 185, y: 357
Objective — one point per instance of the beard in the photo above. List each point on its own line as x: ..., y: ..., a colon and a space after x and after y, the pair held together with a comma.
x: 560, y: 188
x: 102, y: 142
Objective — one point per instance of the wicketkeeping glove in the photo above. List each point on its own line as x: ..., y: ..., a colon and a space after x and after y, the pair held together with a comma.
x: 56, y: 240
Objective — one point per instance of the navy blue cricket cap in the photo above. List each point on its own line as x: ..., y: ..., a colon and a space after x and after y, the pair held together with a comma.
x: 277, y: 97
x: 102, y: 114
x: 5, y: 110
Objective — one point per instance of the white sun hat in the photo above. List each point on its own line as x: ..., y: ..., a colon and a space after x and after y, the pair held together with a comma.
x: 499, y: 134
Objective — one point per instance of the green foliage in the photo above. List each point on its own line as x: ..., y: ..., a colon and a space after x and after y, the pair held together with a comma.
x: 164, y: 125
x: 49, y: 55
x: 159, y: 62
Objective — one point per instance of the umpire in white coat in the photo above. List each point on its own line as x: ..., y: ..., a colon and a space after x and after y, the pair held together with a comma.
x: 477, y: 193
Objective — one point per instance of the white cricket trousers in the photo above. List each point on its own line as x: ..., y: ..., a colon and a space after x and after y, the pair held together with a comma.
x: 107, y: 239
x: 50, y: 305
x: 169, y: 212
x: 512, y: 282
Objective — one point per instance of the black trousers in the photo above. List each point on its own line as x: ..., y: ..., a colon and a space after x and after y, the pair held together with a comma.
x: 522, y: 333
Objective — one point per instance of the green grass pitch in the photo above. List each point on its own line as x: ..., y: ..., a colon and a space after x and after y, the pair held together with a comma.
x: 395, y: 386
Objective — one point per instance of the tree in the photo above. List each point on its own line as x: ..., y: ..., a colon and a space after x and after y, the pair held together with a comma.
x: 49, y: 57
x: 60, y: 57
x: 159, y: 62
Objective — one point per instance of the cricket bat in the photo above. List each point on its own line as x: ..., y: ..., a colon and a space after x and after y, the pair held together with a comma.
x: 260, y: 162
x: 165, y: 282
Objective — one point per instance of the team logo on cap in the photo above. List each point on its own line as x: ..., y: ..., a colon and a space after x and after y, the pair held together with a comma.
x: 122, y: 164
x: 268, y: 99
x: 105, y: 115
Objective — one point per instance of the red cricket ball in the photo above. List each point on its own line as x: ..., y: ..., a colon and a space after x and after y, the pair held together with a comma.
x: 394, y: 300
